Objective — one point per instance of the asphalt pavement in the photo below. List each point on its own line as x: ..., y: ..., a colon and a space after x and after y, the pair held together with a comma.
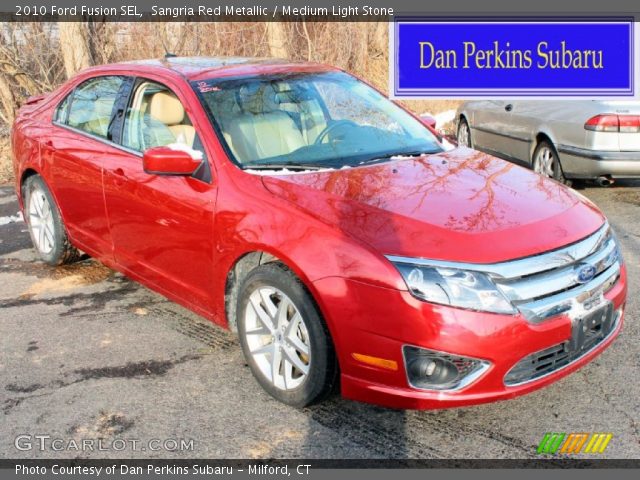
x: 88, y: 355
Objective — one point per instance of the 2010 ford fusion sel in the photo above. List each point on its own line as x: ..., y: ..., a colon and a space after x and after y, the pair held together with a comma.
x: 328, y: 226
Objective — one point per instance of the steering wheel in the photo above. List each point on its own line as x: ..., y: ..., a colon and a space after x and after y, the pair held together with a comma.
x: 331, y: 127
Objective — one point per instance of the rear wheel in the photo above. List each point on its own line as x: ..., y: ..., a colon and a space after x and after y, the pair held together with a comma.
x: 45, y: 224
x: 464, y: 134
x: 547, y: 163
x: 284, y: 340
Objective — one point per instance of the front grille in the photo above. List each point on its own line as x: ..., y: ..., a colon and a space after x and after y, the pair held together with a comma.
x: 589, y: 332
x: 549, y: 284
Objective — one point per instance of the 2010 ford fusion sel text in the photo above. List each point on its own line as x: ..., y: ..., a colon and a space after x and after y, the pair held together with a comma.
x: 333, y: 230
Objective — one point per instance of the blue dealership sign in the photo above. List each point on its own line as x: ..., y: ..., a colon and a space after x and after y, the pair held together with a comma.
x: 523, y: 58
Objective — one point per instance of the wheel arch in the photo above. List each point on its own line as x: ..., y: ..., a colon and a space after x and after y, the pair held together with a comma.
x: 26, y: 173
x: 462, y: 116
x: 243, y: 265
x: 544, y: 136
x: 541, y: 136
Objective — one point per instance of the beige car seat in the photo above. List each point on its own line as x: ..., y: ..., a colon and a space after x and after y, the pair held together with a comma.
x: 164, y: 107
x: 262, y: 131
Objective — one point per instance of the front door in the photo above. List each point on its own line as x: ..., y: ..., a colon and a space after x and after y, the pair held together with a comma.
x: 161, y: 226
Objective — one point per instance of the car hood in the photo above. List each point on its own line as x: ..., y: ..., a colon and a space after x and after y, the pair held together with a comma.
x: 460, y: 205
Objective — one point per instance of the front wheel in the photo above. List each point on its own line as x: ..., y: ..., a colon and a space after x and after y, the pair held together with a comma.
x: 547, y: 163
x: 284, y: 340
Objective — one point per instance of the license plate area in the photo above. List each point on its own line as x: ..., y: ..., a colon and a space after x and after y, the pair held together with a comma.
x: 589, y: 330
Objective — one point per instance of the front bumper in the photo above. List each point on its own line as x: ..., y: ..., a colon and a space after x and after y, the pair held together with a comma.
x: 585, y: 163
x: 376, y: 321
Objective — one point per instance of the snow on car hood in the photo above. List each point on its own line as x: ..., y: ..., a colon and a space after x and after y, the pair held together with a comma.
x: 460, y: 205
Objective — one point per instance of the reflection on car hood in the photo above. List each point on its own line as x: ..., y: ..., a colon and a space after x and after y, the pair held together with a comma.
x: 460, y: 205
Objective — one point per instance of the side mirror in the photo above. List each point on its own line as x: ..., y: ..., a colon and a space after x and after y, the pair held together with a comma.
x: 170, y: 161
x: 428, y: 120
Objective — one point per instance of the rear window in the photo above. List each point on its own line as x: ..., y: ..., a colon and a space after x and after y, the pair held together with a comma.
x: 90, y: 106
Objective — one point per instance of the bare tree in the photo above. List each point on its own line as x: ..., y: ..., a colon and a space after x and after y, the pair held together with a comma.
x: 174, y: 37
x: 8, y: 101
x: 277, y: 39
x: 26, y: 67
x: 379, y: 39
x: 75, y: 46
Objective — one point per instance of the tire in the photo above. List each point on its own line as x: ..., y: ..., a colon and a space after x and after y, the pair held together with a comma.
x: 464, y: 134
x: 547, y: 163
x: 46, y: 228
x: 289, y: 338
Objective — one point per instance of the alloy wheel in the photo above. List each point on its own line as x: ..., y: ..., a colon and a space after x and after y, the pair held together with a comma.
x: 277, y: 337
x: 544, y: 163
x: 464, y: 136
x: 41, y: 221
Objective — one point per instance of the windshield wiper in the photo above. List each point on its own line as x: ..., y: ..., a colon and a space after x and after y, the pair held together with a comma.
x: 283, y: 165
x: 415, y: 153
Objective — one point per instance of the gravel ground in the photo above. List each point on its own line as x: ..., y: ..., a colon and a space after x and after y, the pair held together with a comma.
x: 87, y: 354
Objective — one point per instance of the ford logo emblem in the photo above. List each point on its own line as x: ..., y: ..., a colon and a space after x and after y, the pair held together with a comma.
x: 585, y: 273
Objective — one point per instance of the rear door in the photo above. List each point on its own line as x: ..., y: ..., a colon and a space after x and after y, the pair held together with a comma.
x: 162, y: 226
x: 77, y: 148
x: 516, y: 126
x: 488, y: 125
x: 503, y: 128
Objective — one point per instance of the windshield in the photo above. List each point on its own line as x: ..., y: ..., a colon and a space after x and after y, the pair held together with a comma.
x: 311, y: 120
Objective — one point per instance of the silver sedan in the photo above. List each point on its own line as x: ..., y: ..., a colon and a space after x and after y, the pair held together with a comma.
x: 567, y: 139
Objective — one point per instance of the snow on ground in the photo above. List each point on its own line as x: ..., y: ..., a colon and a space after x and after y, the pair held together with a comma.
x: 11, y: 219
x: 443, y: 118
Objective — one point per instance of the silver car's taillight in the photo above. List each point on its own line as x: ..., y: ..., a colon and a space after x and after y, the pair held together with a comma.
x: 611, y: 122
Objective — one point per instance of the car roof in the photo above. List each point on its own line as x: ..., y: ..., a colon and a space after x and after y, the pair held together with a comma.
x: 195, y: 68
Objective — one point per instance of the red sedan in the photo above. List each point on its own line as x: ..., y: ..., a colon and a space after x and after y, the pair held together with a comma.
x: 329, y: 227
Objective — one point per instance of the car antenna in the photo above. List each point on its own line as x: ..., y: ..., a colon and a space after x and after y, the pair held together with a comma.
x: 167, y: 53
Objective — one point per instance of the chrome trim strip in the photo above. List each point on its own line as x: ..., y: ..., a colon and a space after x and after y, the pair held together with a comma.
x: 616, y: 327
x: 523, y: 266
x: 624, y: 155
x: 98, y: 138
x: 501, y: 134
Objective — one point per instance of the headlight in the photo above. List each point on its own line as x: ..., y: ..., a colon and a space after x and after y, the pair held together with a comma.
x: 458, y: 288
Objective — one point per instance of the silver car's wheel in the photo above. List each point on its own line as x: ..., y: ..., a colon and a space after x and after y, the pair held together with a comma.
x: 277, y: 337
x: 41, y: 221
x: 544, y: 162
x: 464, y: 134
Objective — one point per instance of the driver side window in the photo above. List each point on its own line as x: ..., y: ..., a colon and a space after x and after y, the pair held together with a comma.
x: 157, y: 118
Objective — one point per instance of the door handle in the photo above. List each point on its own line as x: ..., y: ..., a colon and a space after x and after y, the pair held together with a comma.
x: 508, y: 107
x: 119, y: 178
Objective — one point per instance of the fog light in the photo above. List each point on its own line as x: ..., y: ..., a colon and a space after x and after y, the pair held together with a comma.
x: 431, y: 370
